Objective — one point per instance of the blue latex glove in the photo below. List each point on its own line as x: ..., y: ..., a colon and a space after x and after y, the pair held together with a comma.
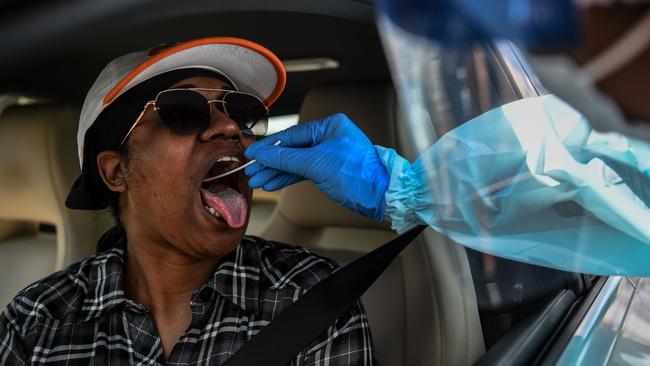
x: 333, y: 153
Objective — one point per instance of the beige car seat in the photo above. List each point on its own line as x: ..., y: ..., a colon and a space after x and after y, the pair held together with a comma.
x: 422, y: 310
x: 38, y: 163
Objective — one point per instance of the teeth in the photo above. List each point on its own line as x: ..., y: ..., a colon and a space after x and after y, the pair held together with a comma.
x: 229, y: 158
x: 213, y: 211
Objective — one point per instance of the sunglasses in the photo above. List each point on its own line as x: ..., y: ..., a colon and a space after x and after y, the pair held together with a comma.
x: 189, y: 112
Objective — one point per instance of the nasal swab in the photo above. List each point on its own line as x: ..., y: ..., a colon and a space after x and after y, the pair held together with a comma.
x: 236, y: 169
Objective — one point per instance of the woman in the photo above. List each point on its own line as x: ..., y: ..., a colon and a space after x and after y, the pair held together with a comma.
x: 176, y: 281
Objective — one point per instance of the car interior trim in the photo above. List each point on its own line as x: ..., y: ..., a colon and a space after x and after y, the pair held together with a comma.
x: 520, y: 345
x: 598, y: 333
x: 569, y: 330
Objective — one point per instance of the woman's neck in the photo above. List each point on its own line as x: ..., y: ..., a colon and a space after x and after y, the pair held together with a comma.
x: 161, y: 278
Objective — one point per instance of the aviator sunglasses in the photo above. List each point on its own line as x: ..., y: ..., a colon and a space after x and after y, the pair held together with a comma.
x: 189, y: 112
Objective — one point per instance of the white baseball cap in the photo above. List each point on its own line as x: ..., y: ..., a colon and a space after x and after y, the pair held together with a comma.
x: 248, y: 66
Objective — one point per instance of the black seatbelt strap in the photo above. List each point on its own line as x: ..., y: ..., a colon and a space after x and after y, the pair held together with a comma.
x: 300, y: 324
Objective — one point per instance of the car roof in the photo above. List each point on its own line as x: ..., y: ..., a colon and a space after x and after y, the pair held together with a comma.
x: 57, y: 48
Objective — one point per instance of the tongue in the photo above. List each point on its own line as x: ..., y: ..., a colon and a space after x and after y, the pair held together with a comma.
x: 231, y: 205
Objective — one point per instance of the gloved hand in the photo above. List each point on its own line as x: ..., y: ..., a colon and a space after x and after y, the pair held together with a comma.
x: 333, y: 153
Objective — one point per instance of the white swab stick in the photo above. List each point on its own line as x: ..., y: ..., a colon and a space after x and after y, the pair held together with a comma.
x: 238, y: 168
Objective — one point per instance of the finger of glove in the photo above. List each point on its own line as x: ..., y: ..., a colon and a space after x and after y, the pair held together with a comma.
x: 281, y: 181
x: 253, y: 169
x: 295, y: 161
x: 251, y: 151
x: 301, y: 135
x: 264, y: 176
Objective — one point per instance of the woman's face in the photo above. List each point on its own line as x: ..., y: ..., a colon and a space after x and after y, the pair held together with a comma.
x: 165, y: 199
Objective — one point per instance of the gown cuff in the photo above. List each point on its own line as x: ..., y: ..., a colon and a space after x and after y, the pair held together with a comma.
x: 407, y: 193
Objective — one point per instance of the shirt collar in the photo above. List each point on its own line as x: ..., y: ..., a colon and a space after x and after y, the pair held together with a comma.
x: 237, y: 278
x: 104, y: 289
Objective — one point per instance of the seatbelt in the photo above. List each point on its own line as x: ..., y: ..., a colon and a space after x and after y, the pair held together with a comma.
x: 301, y: 323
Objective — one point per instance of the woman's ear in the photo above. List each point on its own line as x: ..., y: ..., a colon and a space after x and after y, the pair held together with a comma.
x: 112, y: 170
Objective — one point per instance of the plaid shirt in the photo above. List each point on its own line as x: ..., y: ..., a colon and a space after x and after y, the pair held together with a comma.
x: 80, y: 316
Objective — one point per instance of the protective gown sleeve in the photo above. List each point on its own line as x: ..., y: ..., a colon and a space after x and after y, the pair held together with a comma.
x: 530, y: 181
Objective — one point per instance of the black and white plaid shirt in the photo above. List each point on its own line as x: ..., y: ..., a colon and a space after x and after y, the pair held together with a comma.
x: 80, y: 316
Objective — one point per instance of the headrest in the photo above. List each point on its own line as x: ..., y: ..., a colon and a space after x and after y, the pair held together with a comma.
x: 372, y: 107
x: 10, y: 229
x: 37, y: 163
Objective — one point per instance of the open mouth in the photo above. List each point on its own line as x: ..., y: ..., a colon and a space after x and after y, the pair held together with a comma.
x: 223, y: 197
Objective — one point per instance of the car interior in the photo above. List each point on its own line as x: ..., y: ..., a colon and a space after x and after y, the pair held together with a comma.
x: 437, y: 304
